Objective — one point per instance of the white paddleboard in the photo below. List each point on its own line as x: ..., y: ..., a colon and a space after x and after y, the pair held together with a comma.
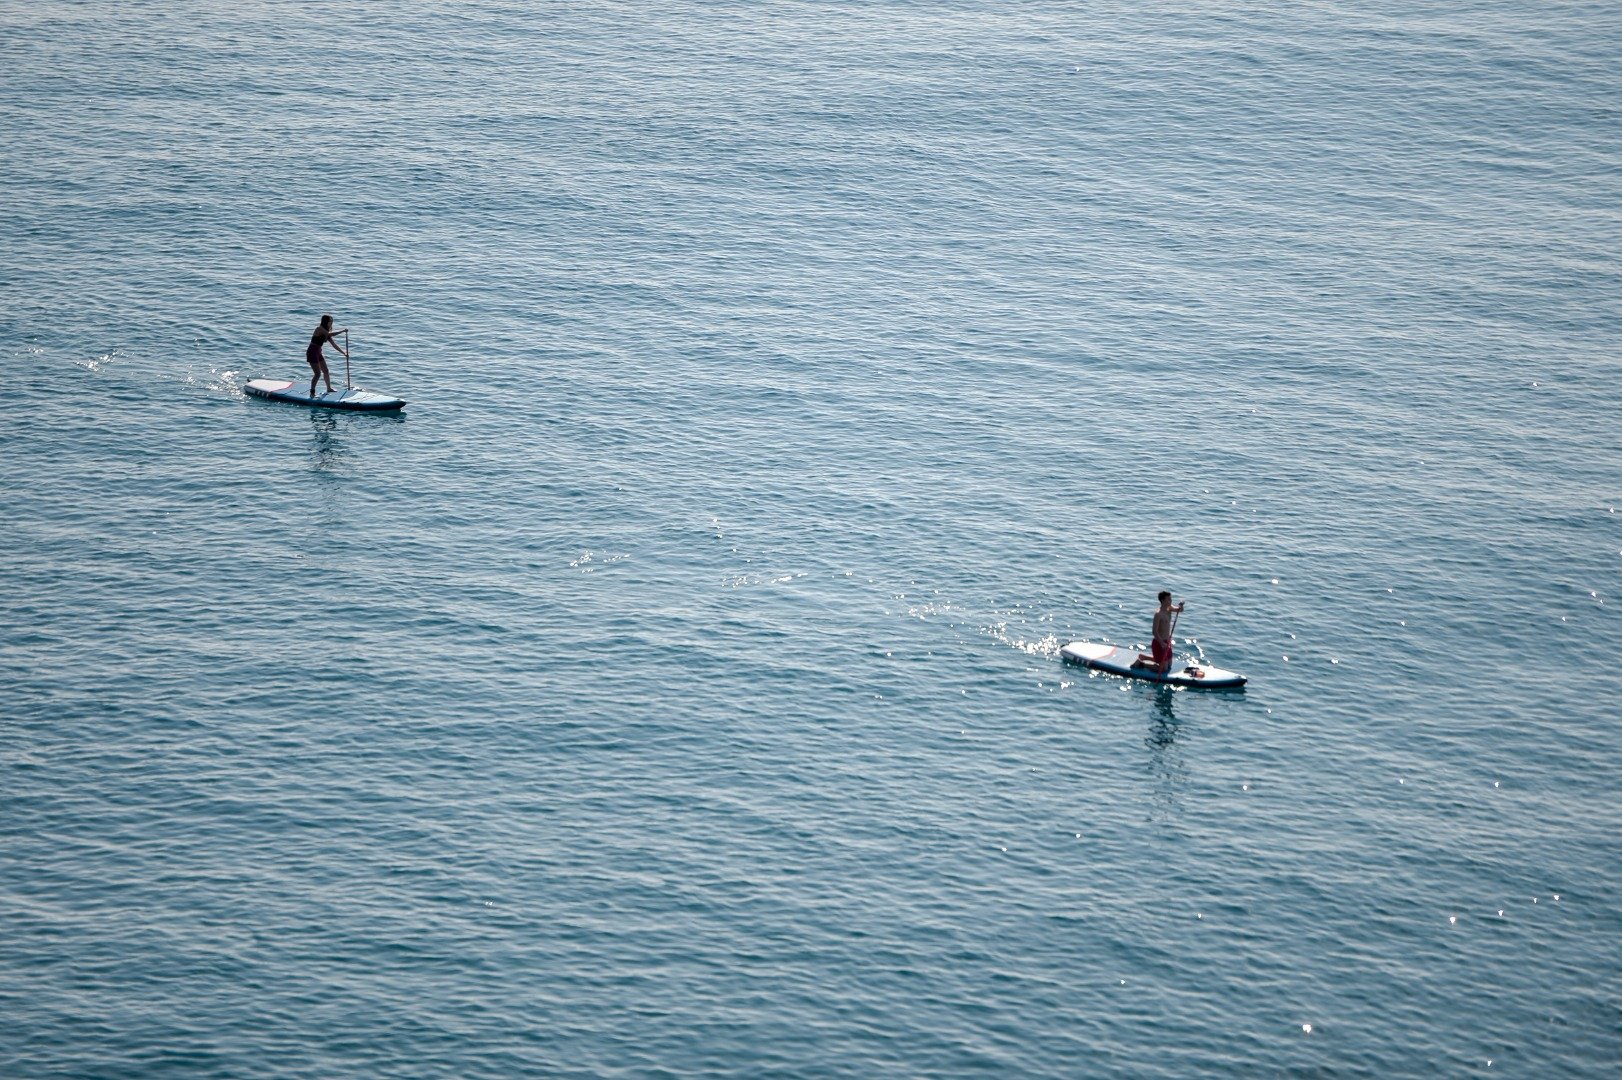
x: 347, y: 398
x: 1118, y: 660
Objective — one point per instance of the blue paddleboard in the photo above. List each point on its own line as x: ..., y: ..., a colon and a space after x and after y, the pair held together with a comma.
x: 1118, y: 661
x: 351, y: 397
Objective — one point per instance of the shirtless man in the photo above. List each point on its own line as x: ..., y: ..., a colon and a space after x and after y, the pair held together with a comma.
x: 1161, y: 656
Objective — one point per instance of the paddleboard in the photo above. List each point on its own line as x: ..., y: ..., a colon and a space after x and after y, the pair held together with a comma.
x: 1118, y: 661
x: 348, y: 398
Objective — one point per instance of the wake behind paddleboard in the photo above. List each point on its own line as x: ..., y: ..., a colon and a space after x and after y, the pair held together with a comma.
x: 1118, y: 661
x: 347, y: 398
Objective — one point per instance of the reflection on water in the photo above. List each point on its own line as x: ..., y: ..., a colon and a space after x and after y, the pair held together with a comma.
x: 331, y: 427
x: 1168, y: 774
x: 1164, y: 715
x: 325, y: 449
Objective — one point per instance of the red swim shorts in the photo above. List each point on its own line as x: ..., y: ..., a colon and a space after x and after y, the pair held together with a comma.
x: 1161, y: 650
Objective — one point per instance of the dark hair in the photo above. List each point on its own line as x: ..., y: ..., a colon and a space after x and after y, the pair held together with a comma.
x: 1163, y: 596
x: 326, y: 321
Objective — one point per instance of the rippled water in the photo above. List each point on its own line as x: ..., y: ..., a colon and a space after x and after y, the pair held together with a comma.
x: 674, y: 689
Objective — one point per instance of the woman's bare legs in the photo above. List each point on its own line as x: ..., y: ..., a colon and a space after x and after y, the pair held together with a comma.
x: 320, y: 372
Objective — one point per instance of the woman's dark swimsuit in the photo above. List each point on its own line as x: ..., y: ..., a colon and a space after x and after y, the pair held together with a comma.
x: 312, y: 354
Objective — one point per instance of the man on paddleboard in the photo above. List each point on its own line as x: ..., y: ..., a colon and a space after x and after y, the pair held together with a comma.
x: 1160, y: 657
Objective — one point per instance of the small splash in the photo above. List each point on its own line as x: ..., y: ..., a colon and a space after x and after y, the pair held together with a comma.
x: 589, y: 561
x: 1046, y: 646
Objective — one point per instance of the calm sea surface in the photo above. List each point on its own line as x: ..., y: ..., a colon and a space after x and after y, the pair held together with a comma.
x: 674, y: 688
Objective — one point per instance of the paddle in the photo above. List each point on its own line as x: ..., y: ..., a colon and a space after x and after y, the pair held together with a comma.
x: 349, y: 385
x: 1192, y: 668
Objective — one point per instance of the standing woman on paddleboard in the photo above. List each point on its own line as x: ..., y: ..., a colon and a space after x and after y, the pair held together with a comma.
x: 323, y: 335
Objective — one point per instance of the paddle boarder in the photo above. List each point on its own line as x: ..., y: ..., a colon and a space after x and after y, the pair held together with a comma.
x: 1160, y: 656
x: 324, y: 335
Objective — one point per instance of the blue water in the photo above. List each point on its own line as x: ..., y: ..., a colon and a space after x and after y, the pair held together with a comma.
x: 674, y: 689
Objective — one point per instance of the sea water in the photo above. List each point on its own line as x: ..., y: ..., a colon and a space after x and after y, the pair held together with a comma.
x: 674, y: 689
